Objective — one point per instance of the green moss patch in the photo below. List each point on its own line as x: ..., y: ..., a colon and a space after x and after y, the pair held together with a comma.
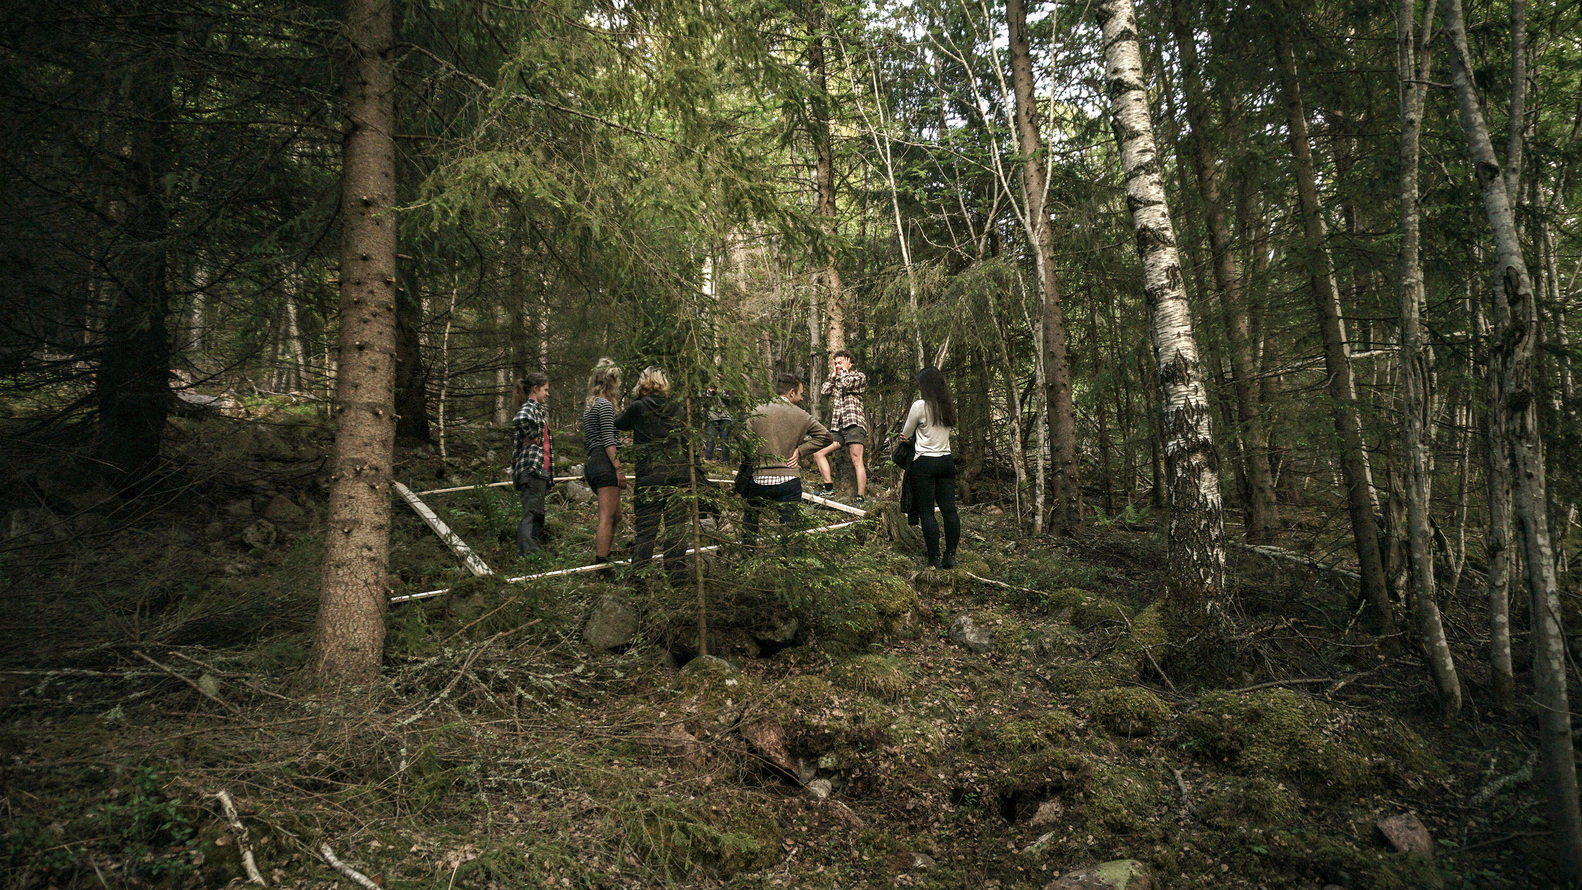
x: 1127, y: 710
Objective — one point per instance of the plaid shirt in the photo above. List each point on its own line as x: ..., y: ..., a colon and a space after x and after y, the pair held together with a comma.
x: 530, y: 443
x: 845, y: 390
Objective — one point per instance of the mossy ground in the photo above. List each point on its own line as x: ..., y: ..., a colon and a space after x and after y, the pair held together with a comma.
x: 155, y: 664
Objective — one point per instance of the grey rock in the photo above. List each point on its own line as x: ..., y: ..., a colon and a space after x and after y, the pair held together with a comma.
x: 1118, y: 874
x: 612, y: 623
x: 284, y: 510
x: 575, y: 492
x: 821, y: 789
x: 260, y: 535
x: 1407, y: 834
x: 966, y: 632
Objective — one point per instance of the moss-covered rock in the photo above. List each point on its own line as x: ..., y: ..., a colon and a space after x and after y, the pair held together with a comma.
x: 1053, y: 728
x: 1248, y: 802
x: 884, y: 677
x: 1127, y: 710
x: 1085, y: 610
x: 1328, y: 751
x: 721, y: 835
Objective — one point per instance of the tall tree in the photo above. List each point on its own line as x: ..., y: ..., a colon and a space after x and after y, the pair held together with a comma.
x: 1195, y: 586
x: 1059, y: 403
x: 349, y: 637
x: 1416, y: 358
x: 1515, y: 342
x: 1331, y: 322
x: 1262, y: 511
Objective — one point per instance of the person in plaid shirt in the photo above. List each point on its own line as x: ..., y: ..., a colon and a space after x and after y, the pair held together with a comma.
x: 531, y: 461
x: 848, y: 424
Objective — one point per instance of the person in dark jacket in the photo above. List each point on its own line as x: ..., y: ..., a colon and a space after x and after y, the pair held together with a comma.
x: 659, y: 445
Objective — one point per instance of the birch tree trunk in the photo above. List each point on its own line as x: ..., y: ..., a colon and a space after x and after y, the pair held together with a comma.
x: 349, y: 636
x: 1417, y: 359
x: 1515, y: 341
x: 1337, y: 360
x: 1060, y: 405
x: 1195, y: 586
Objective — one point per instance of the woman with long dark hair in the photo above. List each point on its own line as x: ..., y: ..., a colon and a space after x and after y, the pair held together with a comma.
x: 932, y: 419
x: 603, y: 471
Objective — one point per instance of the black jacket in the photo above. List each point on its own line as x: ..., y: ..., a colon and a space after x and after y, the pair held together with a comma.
x: 658, y: 438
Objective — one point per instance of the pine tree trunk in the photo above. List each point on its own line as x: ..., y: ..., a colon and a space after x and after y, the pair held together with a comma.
x: 1195, y: 586
x: 1263, y: 516
x: 1417, y: 361
x: 349, y: 637
x: 1337, y: 360
x: 1515, y: 341
x: 1066, y: 494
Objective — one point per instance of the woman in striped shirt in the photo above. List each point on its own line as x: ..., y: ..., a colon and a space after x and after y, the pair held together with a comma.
x: 603, y: 470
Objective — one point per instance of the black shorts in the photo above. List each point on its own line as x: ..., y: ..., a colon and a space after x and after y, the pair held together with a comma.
x: 851, y: 435
x: 598, y: 472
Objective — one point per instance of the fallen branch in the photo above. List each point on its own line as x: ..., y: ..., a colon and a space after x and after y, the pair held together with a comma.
x: 1186, y: 798
x: 1305, y: 682
x: 241, y: 837
x: 1522, y: 775
x: 204, y: 692
x: 1287, y: 556
x: 351, y: 874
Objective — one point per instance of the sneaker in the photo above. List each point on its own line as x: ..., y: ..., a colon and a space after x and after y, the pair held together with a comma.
x: 827, y: 492
x: 948, y: 561
x: 857, y: 501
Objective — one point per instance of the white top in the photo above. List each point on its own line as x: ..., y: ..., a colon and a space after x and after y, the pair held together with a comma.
x: 933, y: 439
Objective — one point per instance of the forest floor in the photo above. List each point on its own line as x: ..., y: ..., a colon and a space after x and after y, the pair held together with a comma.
x: 842, y: 734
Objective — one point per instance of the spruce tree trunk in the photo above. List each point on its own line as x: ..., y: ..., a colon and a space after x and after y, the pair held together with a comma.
x: 349, y: 637
x: 1066, y: 494
x: 1195, y: 586
x: 132, y: 381
x: 1515, y: 341
x: 824, y: 177
x: 1337, y: 359
x: 1417, y: 361
x: 1263, y: 516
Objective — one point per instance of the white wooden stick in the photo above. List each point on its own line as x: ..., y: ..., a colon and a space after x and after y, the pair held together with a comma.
x: 353, y: 874
x: 229, y: 807
x: 475, y: 564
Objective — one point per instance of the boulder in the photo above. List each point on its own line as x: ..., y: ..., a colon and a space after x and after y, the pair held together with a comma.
x: 574, y: 492
x: 1119, y: 874
x: 260, y: 535
x: 612, y: 624
x: 1407, y: 834
x: 767, y: 739
x: 283, y: 509
x: 966, y: 632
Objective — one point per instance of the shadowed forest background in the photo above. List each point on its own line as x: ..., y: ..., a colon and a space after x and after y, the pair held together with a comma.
x: 1258, y: 319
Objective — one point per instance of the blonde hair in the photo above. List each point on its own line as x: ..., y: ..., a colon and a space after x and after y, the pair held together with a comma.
x: 652, y: 382
x: 604, y: 382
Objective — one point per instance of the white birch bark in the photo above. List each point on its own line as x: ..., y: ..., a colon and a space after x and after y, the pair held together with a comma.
x: 1196, y: 586
x: 1515, y: 340
x: 1417, y: 358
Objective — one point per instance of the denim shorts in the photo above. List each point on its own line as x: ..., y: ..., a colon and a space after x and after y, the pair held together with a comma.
x: 598, y: 472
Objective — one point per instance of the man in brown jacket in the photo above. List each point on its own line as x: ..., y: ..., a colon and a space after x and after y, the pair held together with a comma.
x: 782, y: 428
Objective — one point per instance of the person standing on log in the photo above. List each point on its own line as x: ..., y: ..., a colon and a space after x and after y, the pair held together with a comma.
x: 847, y: 424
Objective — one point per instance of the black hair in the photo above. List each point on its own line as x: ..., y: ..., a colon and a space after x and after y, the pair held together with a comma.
x: 936, y: 395
x: 787, y: 382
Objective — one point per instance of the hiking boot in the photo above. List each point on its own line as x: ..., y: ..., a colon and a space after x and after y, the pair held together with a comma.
x: 948, y: 562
